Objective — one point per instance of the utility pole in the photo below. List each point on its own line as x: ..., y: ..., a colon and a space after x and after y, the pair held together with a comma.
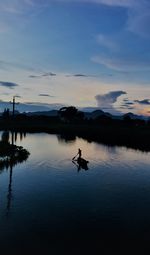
x: 13, y: 106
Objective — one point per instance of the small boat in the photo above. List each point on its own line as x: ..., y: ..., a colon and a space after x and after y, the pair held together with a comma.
x: 82, y: 161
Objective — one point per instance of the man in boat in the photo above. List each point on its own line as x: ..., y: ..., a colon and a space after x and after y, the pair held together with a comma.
x: 79, y: 153
x: 82, y: 163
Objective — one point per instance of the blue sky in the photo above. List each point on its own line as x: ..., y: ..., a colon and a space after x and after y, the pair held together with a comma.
x: 87, y: 53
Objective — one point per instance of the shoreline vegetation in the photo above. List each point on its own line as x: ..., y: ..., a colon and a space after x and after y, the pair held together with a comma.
x: 11, y: 154
x: 134, y: 134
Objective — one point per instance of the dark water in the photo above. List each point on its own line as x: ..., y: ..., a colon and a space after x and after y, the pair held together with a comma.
x: 48, y: 206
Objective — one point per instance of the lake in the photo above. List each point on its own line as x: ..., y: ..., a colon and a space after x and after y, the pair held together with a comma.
x: 51, y: 205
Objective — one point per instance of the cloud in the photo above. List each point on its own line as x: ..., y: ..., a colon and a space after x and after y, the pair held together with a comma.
x: 139, y: 18
x: 45, y: 95
x: 138, y: 11
x: 18, y: 7
x: 3, y: 27
x: 107, y: 42
x: 138, y: 14
x: 80, y: 75
x: 34, y: 76
x: 144, y: 101
x: 126, y: 99
x: 120, y: 3
x: 5, y: 94
x: 6, y: 65
x: 123, y: 63
x: 18, y: 96
x: 9, y: 85
x: 127, y: 108
x: 38, y: 106
x: 31, y: 106
x: 49, y: 74
x: 128, y: 103
x: 107, y: 100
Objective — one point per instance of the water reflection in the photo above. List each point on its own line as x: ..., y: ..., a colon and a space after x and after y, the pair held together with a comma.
x: 108, y: 141
x: 54, y: 203
x: 81, y: 163
x: 14, y: 136
x: 66, y: 138
x: 11, y: 155
x: 9, y: 193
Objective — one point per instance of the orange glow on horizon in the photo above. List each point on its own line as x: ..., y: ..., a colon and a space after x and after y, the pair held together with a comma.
x: 144, y: 111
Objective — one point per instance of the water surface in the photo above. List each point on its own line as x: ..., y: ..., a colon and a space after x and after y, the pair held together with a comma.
x: 49, y: 205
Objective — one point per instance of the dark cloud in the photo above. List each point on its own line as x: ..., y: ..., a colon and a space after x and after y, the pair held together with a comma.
x: 127, y: 103
x: 18, y: 96
x: 126, y: 107
x: 34, y: 76
x: 9, y: 85
x: 79, y: 75
x: 49, y: 74
x: 45, y: 95
x: 144, y: 101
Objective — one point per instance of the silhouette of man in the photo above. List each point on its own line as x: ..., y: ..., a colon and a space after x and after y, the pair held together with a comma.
x: 79, y: 153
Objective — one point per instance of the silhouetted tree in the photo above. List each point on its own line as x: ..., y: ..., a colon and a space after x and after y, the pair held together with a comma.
x: 68, y: 113
x: 5, y: 137
x: 103, y: 119
x: 6, y: 113
x: 80, y: 115
x: 127, y: 120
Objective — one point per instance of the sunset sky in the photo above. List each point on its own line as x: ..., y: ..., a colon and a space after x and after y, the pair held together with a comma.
x: 86, y: 53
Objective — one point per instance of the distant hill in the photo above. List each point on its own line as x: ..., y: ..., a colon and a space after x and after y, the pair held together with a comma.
x: 43, y: 113
x: 95, y: 114
x: 134, y: 116
x: 87, y: 114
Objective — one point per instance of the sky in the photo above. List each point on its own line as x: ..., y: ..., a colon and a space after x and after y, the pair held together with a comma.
x: 86, y: 53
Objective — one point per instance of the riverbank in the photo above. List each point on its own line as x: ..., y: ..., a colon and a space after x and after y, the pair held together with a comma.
x: 131, y: 136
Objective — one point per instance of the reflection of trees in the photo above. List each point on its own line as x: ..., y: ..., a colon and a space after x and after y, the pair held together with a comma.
x: 10, y: 155
x: 66, y: 138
